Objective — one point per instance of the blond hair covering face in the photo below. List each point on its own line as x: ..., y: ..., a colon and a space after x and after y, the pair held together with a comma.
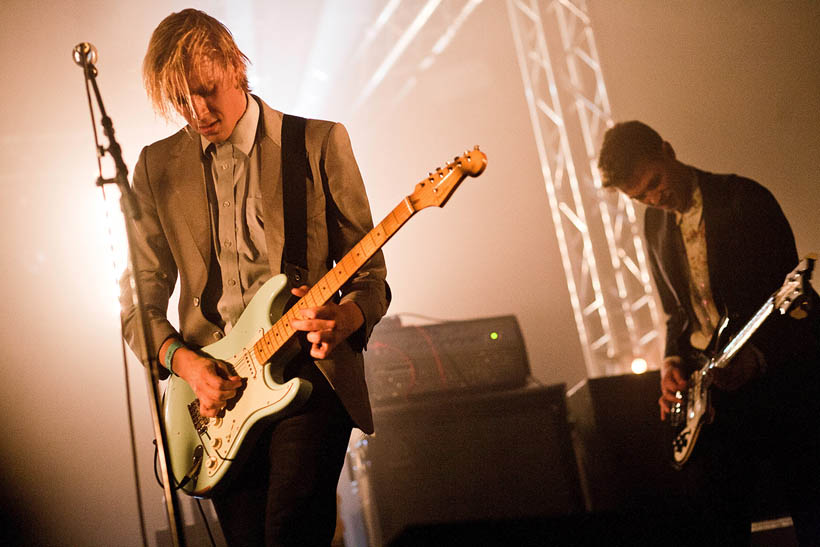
x: 188, y: 43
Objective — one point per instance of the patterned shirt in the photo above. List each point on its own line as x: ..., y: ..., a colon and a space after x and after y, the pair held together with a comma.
x: 693, y: 231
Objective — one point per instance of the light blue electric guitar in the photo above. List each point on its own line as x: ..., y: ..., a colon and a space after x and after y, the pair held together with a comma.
x: 202, y: 450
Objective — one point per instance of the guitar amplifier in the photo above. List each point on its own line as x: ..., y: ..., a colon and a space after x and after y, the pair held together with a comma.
x: 408, y: 362
x: 495, y: 456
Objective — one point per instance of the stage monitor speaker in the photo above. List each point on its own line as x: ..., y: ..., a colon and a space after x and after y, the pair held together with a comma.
x: 624, y: 450
x: 624, y: 461
x: 403, y: 363
x: 493, y: 455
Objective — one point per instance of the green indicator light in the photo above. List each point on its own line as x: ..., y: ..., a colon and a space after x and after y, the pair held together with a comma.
x: 493, y: 336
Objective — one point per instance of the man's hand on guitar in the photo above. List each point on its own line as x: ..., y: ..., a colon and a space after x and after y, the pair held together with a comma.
x: 327, y: 325
x: 211, y: 380
x: 673, y: 380
x: 749, y: 363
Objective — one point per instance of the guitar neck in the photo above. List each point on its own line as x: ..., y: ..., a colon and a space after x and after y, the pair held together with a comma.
x: 737, y: 342
x: 330, y: 284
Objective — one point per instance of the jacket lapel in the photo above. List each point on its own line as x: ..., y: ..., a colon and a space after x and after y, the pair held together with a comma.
x: 716, y: 218
x: 190, y: 195
x: 270, y: 151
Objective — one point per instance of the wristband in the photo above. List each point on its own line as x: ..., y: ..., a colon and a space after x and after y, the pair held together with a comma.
x: 169, y: 355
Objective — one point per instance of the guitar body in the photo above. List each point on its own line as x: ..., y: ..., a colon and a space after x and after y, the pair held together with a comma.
x: 690, y: 415
x: 694, y: 409
x: 207, y: 448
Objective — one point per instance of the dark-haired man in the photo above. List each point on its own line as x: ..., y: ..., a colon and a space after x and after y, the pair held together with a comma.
x: 719, y: 245
x: 212, y: 214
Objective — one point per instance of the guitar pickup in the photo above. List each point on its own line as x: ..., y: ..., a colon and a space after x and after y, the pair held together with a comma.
x: 200, y: 422
x: 247, y: 359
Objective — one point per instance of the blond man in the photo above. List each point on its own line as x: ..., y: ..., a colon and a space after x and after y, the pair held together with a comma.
x: 213, y: 217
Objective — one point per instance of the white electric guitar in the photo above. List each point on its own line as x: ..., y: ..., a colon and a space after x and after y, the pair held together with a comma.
x: 694, y: 408
x: 203, y: 450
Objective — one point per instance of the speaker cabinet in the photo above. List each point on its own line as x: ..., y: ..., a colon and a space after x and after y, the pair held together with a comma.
x: 623, y: 450
x: 492, y: 455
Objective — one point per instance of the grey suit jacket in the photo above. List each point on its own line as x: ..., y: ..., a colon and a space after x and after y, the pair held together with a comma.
x: 174, y: 240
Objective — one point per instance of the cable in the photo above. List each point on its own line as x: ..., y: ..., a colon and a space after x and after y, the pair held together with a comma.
x: 205, y: 521
x: 133, y: 442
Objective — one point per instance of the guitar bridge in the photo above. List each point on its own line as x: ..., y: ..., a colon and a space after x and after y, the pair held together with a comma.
x: 200, y: 422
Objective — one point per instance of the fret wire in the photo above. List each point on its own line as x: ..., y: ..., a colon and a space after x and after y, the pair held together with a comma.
x: 316, y: 295
x: 349, y: 263
x: 270, y: 343
x: 341, y: 275
x: 328, y: 285
x: 277, y: 335
x: 261, y: 347
x: 310, y: 299
x: 290, y: 315
x: 390, y: 226
x: 359, y: 253
x: 368, y: 245
x: 324, y: 289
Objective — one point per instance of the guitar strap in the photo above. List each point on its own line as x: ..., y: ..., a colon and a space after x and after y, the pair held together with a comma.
x: 294, y: 199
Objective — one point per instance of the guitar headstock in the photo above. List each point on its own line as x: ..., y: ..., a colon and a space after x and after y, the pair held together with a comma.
x: 792, y: 296
x: 437, y: 188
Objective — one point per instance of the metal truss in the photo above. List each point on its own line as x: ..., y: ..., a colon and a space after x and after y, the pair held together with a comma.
x: 613, y: 301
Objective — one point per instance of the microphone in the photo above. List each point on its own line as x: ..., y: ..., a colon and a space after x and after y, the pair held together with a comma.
x: 85, y: 53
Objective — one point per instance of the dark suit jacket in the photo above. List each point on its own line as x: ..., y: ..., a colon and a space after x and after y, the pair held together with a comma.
x: 174, y: 239
x: 750, y: 250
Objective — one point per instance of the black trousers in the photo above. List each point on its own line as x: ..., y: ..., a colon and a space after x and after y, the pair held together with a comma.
x: 769, y: 426
x: 285, y: 492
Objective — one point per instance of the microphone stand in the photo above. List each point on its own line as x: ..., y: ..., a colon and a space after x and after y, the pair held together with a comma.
x: 85, y: 55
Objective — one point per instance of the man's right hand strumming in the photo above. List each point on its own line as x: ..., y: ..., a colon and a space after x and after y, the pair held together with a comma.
x: 212, y: 381
x: 673, y: 380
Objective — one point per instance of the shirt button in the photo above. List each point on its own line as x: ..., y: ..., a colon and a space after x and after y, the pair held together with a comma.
x: 226, y: 203
x: 232, y: 282
x: 218, y: 335
x: 196, y: 301
x: 228, y: 243
x: 224, y: 166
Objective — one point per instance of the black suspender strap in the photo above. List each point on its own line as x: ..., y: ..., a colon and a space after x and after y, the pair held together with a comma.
x: 294, y: 198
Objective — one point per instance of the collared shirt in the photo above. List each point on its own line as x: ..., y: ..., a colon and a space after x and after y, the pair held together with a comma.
x: 236, y: 214
x: 693, y: 231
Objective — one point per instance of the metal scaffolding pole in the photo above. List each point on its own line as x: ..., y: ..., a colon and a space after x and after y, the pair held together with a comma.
x: 614, y: 304
x: 613, y: 301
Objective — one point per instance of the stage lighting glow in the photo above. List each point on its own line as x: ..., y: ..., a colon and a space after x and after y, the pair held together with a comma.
x: 493, y: 336
x: 110, y: 248
x: 639, y: 365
